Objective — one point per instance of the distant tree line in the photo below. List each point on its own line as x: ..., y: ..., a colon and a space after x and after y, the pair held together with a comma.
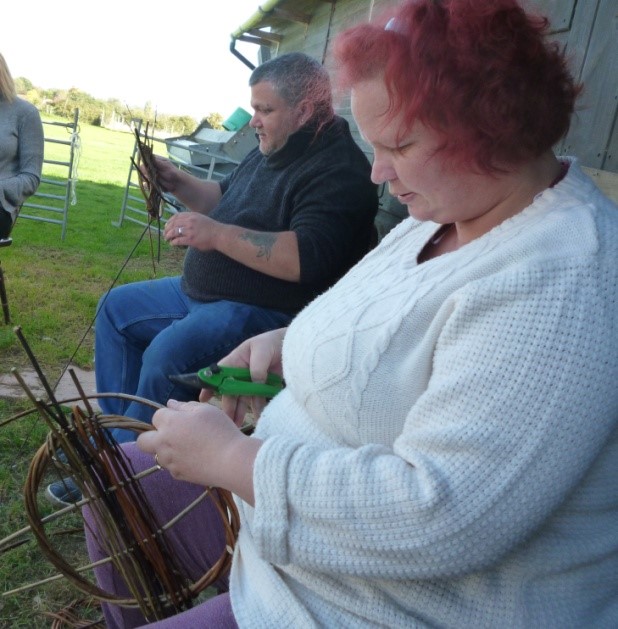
x: 104, y: 112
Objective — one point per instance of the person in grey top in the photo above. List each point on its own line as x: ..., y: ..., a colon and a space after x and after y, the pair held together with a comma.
x: 21, y: 151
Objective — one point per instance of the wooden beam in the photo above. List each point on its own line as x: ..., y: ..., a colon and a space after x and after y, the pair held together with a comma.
x: 292, y: 16
x: 253, y: 40
x: 273, y: 37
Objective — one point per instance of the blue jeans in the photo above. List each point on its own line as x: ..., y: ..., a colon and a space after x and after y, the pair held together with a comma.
x: 146, y: 331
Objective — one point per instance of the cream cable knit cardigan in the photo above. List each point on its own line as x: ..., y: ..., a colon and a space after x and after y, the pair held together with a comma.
x: 446, y: 452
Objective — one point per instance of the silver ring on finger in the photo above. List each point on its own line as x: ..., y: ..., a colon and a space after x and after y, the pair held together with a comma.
x: 180, y: 231
x: 159, y: 466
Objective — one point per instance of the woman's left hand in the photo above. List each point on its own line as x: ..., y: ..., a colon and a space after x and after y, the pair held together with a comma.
x: 200, y: 444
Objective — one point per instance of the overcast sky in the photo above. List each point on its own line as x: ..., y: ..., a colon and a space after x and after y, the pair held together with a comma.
x: 175, y: 56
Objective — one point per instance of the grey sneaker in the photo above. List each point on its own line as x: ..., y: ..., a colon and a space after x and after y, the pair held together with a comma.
x: 63, y: 493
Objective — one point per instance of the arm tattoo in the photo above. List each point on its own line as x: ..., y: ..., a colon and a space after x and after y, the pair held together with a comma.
x: 264, y: 242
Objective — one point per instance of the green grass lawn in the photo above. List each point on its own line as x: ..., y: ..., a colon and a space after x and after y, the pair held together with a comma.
x: 53, y: 287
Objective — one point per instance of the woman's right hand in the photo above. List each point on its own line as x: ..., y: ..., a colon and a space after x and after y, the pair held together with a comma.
x: 261, y: 354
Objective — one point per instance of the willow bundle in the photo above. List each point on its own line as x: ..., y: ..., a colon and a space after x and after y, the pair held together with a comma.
x: 79, y: 444
x: 147, y: 175
x: 148, y: 179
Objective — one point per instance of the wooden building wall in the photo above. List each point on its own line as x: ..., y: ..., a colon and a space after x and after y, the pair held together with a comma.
x: 588, y: 29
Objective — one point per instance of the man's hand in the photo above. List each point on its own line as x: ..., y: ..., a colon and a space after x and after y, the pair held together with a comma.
x: 191, y: 229
x: 167, y: 174
x: 199, y: 195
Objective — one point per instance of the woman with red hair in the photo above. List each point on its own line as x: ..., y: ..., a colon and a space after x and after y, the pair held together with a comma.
x: 445, y: 452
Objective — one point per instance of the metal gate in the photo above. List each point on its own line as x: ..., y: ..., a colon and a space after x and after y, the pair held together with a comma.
x: 50, y: 203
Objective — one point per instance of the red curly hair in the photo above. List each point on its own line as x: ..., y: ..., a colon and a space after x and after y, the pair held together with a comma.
x: 480, y: 72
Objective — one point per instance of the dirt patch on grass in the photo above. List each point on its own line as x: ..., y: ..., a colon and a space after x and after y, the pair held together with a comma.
x: 64, y: 390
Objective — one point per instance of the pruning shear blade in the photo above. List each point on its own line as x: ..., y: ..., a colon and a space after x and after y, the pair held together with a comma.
x: 230, y: 381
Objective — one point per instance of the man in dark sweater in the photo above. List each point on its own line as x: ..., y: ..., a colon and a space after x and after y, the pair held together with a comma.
x: 291, y: 219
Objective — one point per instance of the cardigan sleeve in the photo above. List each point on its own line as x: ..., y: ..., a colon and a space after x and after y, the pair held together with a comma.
x: 26, y: 176
x: 520, y: 403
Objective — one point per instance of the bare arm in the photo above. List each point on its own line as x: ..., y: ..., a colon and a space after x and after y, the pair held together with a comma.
x: 273, y: 253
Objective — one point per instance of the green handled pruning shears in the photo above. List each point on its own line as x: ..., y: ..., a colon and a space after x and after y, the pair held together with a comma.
x: 230, y: 381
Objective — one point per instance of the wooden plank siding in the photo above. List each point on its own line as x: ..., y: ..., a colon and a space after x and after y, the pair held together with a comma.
x: 586, y: 29
x: 328, y: 21
x: 591, y: 41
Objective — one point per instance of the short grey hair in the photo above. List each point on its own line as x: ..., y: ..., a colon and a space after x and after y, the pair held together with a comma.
x: 297, y: 77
